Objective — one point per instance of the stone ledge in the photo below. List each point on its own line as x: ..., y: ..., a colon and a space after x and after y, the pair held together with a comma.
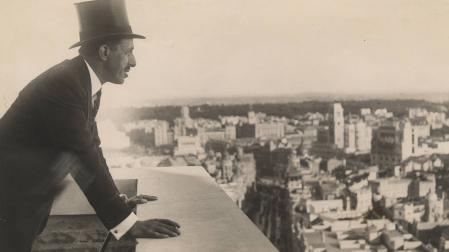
x: 209, y: 219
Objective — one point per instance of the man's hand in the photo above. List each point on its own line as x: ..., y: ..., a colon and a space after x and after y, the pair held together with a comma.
x: 155, y: 228
x: 137, y: 200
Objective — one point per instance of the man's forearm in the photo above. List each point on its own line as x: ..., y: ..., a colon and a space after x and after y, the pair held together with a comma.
x: 123, y: 227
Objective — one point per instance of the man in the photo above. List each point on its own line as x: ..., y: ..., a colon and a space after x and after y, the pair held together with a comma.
x: 50, y: 130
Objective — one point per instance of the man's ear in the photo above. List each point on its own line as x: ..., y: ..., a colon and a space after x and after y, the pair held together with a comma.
x: 103, y: 52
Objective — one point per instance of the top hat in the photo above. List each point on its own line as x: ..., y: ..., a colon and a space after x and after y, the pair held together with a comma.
x: 101, y: 19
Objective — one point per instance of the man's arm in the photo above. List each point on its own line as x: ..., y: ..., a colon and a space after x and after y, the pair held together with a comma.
x: 155, y: 228
x: 92, y: 191
x: 69, y: 128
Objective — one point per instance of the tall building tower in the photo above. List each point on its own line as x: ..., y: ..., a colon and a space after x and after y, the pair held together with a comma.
x: 358, y: 137
x: 185, y: 113
x: 186, y: 117
x: 179, y: 128
x: 413, y: 131
x: 350, y: 138
x: 364, y: 135
x: 339, y: 126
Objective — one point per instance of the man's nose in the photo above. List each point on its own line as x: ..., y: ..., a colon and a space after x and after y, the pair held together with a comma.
x: 132, y: 60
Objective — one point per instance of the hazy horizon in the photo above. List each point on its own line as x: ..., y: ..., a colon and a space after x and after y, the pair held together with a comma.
x: 287, y: 98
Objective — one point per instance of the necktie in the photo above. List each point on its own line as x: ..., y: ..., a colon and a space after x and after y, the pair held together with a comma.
x: 96, y: 103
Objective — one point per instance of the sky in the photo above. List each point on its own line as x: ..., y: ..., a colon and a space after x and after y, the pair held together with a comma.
x: 244, y: 47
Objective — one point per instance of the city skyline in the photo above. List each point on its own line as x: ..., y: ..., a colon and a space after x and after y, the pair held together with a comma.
x: 370, y: 179
x: 246, y: 48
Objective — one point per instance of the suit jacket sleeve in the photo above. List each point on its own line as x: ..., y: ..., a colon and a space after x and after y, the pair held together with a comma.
x: 66, y: 120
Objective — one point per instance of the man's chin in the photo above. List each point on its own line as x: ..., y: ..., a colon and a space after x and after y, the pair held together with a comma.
x: 118, y: 81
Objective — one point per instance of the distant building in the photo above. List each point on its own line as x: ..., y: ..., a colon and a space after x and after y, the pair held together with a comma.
x: 425, y: 163
x: 324, y: 146
x: 212, y: 134
x: 330, y: 190
x: 179, y: 128
x: 420, y: 187
x: 252, y: 119
x: 246, y: 131
x: 394, y: 240
x: 161, y: 136
x: 434, y: 208
x: 436, y: 120
x: 314, y: 118
x: 386, y: 149
x: 230, y: 132
x: 391, y: 188
x: 417, y: 130
x: 183, y: 126
x: 269, y: 130
x: 395, y: 141
x: 409, y: 212
x: 365, y: 111
x: 231, y: 120
x: 383, y: 113
x: 357, y: 137
x: 364, y: 198
x: 185, y: 115
x: 350, y: 138
x: 313, y: 241
x: 227, y: 168
x: 324, y: 206
x: 434, y: 146
x: 309, y: 136
x: 310, y: 132
x: 187, y: 145
x: 417, y: 112
x: 338, y: 121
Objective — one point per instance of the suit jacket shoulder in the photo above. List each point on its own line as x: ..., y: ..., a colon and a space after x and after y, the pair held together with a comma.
x: 66, y: 83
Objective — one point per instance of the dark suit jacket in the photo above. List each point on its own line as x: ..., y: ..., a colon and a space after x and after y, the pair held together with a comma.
x: 52, y: 114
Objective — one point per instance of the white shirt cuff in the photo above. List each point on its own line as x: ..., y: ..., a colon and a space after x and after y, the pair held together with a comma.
x: 124, y: 226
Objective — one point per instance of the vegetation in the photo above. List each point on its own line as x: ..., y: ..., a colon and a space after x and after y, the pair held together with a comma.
x: 289, y: 110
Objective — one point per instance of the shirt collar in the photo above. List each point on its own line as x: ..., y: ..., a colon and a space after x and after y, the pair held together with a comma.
x: 94, y: 80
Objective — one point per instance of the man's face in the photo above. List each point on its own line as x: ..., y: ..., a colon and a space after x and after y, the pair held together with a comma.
x: 120, y: 61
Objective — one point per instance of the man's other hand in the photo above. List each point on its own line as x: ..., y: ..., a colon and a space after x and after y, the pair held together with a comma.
x: 139, y: 199
x: 155, y: 228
